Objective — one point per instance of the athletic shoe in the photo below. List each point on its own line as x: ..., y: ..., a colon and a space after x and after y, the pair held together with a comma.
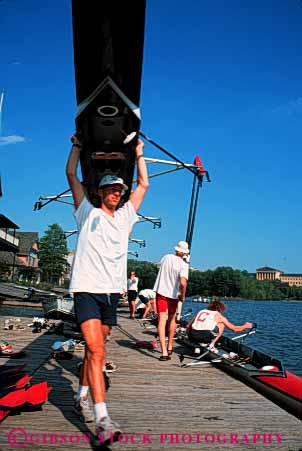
x: 110, y: 367
x: 107, y: 431
x: 83, y: 410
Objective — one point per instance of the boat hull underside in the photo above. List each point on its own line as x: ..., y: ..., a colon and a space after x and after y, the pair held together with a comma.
x: 108, y: 40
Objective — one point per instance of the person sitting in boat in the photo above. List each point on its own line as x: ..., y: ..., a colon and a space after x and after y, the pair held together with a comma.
x: 209, y: 324
x: 147, y: 297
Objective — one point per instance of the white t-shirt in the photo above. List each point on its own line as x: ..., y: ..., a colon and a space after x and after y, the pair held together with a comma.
x: 205, y: 320
x: 148, y: 294
x: 100, y: 262
x: 133, y: 283
x: 172, y: 268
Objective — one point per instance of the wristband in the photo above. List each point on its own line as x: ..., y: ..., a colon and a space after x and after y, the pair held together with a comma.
x: 140, y: 156
x: 77, y: 145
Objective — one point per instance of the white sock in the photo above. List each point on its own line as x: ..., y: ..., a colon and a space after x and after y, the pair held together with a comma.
x: 82, y: 391
x: 100, y: 411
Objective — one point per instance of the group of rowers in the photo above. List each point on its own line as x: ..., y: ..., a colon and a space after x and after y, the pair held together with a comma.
x: 207, y: 326
x: 99, y: 275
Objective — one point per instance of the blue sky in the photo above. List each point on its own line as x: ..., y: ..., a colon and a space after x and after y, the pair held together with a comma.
x: 220, y: 79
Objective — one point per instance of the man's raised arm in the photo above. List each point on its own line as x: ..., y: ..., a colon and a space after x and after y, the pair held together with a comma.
x: 71, y: 171
x: 137, y: 196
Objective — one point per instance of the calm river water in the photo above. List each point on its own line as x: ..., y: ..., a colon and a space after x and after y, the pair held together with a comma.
x: 279, y: 331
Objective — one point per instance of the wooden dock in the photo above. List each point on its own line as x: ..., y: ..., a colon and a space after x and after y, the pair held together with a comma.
x: 159, y: 405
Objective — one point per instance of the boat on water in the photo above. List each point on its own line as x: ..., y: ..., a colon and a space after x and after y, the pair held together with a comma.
x: 58, y: 307
x: 263, y: 373
x: 201, y: 300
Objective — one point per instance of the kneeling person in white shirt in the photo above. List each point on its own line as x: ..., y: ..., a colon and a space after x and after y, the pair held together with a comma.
x: 147, y: 297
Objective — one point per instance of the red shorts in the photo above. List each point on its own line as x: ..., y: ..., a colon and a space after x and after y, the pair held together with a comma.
x: 166, y: 305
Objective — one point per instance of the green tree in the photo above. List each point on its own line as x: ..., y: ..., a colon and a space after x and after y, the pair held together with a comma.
x: 222, y: 281
x: 196, y: 284
x: 53, y: 253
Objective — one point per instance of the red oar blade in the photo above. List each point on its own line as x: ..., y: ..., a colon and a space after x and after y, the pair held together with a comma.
x: 13, y: 399
x: 38, y: 393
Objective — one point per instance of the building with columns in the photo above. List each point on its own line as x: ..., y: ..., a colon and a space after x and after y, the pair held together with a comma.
x: 267, y: 273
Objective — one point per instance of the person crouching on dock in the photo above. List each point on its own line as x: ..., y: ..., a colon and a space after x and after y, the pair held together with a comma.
x: 202, y: 327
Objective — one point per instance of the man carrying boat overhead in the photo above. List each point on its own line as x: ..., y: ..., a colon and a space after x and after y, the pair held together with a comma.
x: 99, y: 274
x: 201, y: 328
x: 170, y: 287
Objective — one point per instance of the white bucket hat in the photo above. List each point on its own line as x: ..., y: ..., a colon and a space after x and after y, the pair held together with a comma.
x: 112, y: 180
x: 182, y: 247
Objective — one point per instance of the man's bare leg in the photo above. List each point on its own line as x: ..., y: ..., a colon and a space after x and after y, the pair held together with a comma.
x: 161, y: 328
x: 172, y: 327
x: 132, y: 308
x: 92, y: 330
x: 84, y: 371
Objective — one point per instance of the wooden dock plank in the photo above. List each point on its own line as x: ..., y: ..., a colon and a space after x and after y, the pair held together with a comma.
x: 159, y: 401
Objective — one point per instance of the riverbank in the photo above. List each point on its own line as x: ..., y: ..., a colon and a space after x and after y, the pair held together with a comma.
x: 229, y: 299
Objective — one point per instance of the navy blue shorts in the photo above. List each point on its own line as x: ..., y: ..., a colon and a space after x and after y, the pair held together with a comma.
x: 132, y: 295
x: 96, y: 306
x: 143, y: 299
x: 201, y: 336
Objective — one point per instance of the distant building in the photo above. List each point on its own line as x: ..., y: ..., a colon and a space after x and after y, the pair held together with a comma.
x: 292, y: 279
x: 8, y: 240
x: 23, y: 264
x: 9, y: 244
x: 267, y: 273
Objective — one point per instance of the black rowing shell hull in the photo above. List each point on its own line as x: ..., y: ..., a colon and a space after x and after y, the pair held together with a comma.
x: 108, y: 40
x: 252, y: 375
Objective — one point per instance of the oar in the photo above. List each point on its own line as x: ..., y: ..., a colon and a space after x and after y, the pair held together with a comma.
x: 197, y: 359
x: 204, y: 362
x: 186, y: 314
x: 252, y: 331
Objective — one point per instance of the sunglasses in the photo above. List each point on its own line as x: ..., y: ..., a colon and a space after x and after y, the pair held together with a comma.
x: 112, y: 190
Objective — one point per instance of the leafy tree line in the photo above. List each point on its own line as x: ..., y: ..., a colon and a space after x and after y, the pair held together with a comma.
x: 223, y: 281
